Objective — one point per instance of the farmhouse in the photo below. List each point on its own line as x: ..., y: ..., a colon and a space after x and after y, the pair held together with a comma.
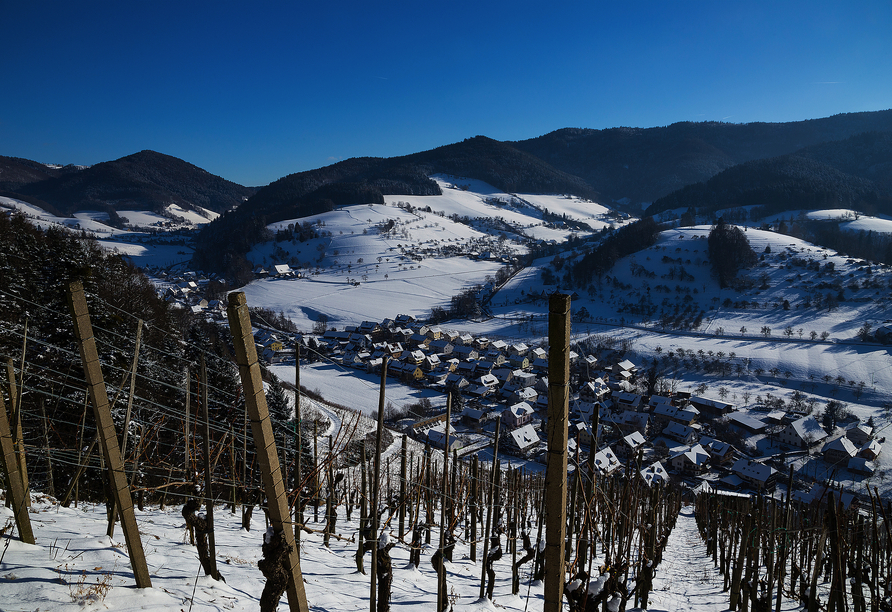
x: 861, y: 465
x: 680, y: 433
x: 437, y: 439
x: 629, y: 421
x: 859, y: 433
x: 710, y: 407
x: 743, y: 422
x: 694, y: 460
x: 583, y: 433
x: 802, y: 433
x: 631, y: 444
x: 870, y: 451
x: 719, y: 452
x: 839, y: 451
x: 628, y: 401
x: 593, y: 391
x: 759, y: 476
x: 663, y: 414
x: 606, y: 462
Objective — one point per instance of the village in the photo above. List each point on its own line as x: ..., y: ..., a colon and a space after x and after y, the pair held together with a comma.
x: 699, y: 441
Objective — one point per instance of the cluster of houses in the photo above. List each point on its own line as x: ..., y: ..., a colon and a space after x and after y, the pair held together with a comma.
x: 659, y: 435
x: 189, y: 290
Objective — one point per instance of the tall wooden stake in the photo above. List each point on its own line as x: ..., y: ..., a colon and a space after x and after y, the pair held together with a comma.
x: 375, y: 486
x: 83, y: 332
x: 403, y: 500
x: 556, y: 470
x: 14, y: 485
x: 15, y: 400
x: 490, y: 502
x: 125, y: 434
x: 208, y: 473
x: 264, y: 442
x: 51, y: 487
x: 441, y: 578
x: 299, y: 474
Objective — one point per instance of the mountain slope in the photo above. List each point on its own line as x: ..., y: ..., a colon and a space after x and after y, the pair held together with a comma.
x: 644, y: 164
x: 366, y: 180
x: 143, y: 181
x: 16, y: 172
x: 778, y: 184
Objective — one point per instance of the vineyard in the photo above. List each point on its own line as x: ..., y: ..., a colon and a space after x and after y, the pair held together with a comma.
x: 198, y: 431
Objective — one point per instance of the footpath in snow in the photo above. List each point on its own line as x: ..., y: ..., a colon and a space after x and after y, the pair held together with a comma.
x: 686, y: 578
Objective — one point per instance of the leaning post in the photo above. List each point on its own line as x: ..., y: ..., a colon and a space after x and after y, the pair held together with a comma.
x: 105, y: 426
x: 14, y: 485
x: 264, y: 442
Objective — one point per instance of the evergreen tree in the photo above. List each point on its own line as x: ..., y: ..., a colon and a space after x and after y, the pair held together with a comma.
x: 277, y: 402
x: 729, y: 251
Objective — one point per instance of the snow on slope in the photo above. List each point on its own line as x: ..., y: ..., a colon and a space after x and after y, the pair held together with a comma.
x: 354, y: 249
x: 89, y: 221
x: 386, y: 267
x: 74, y: 554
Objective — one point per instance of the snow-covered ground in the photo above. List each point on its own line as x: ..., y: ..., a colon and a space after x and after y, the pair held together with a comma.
x: 76, y: 566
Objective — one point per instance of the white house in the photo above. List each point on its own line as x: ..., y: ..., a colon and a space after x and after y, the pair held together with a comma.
x: 802, y: 433
x: 517, y: 415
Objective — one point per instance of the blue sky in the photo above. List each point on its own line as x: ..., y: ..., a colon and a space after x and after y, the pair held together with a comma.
x: 255, y: 91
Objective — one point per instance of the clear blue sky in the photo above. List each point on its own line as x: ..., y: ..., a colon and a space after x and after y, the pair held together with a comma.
x: 253, y: 91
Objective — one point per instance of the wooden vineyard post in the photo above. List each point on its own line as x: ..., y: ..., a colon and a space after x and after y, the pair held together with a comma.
x: 15, y: 400
x: 441, y: 568
x: 475, y: 487
x: 299, y: 479
x: 402, y: 516
x: 375, y: 486
x: 556, y: 470
x: 83, y: 332
x: 264, y: 442
x: 51, y: 487
x: 316, y: 484
x: 586, y: 544
x: 14, y: 485
x: 208, y: 472
x: 490, y: 503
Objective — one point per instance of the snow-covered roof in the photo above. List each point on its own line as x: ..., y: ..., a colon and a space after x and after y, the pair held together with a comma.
x: 841, y: 444
x: 606, y: 461
x: 627, y: 365
x: 747, y: 468
x: 808, y: 429
x: 655, y: 474
x: 520, y: 409
x: 634, y: 439
x: 524, y: 437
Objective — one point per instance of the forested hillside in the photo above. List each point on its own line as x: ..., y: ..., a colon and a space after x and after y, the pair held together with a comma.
x: 35, y: 270
x: 778, y: 184
x: 16, y: 172
x: 143, y: 181
x: 223, y: 243
x: 645, y: 164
